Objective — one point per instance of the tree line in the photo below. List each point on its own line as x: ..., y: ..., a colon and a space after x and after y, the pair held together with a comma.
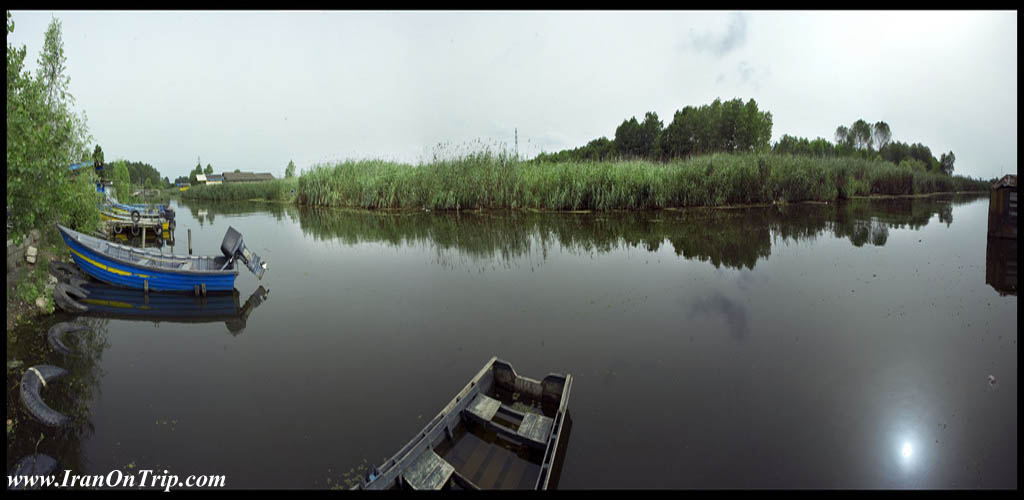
x: 737, y: 127
x: 720, y: 127
x: 871, y: 141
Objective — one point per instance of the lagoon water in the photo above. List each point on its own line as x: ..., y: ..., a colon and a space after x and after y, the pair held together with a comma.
x: 839, y: 345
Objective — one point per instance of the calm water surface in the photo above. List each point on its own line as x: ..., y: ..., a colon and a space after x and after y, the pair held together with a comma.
x: 808, y: 346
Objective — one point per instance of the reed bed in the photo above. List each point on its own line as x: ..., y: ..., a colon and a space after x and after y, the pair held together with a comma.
x: 275, y: 190
x: 488, y: 180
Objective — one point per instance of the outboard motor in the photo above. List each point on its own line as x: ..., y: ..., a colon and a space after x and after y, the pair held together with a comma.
x: 232, y: 247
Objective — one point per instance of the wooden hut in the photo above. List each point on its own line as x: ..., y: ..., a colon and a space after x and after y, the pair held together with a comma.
x: 1002, y: 208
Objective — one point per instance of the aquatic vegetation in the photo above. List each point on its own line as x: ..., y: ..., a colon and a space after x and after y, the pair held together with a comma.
x: 490, y: 180
x: 275, y: 190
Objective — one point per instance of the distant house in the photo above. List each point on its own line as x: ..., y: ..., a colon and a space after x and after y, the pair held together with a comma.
x: 1002, y: 208
x: 201, y: 178
x: 214, y: 178
x: 246, y: 177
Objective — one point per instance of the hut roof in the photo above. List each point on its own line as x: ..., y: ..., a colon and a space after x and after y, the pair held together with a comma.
x: 246, y: 176
x: 1008, y: 180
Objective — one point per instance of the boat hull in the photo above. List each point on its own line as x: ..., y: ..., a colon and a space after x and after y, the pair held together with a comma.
x: 120, y: 274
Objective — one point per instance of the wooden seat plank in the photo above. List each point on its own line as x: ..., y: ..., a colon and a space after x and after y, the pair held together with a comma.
x: 428, y: 472
x: 484, y: 407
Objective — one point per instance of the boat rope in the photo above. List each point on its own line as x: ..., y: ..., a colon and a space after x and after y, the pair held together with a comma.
x: 40, y: 375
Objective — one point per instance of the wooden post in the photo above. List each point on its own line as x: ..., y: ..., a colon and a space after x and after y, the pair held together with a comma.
x: 190, y: 241
x: 143, y: 237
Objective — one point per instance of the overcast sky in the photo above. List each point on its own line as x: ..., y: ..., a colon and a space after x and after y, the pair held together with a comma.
x: 252, y: 90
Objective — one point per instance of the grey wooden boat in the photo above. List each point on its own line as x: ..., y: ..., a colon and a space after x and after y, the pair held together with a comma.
x: 501, y: 431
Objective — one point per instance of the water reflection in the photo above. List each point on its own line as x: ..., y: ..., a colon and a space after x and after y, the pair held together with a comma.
x: 733, y: 238
x: 70, y: 394
x: 1001, y: 265
x: 121, y: 303
x: 206, y: 212
x: 733, y: 311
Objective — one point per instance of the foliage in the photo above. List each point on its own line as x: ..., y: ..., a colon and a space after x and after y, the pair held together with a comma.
x: 44, y: 136
x: 726, y: 127
x: 289, y: 171
x: 122, y: 181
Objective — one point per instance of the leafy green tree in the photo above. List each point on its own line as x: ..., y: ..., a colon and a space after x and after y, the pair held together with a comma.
x: 97, y: 155
x: 122, y: 181
x: 881, y: 133
x: 946, y: 163
x: 289, y: 171
x: 44, y: 136
x: 650, y: 129
x: 628, y: 138
x: 209, y: 169
x: 860, y: 133
x: 843, y: 136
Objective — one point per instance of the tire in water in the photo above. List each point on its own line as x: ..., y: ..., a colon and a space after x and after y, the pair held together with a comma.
x: 33, y: 401
x: 55, y: 336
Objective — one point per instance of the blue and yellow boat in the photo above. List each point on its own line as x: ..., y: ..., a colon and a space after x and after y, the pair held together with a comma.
x: 150, y: 270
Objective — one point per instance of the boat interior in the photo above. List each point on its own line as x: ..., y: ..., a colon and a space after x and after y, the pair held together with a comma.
x: 502, y: 431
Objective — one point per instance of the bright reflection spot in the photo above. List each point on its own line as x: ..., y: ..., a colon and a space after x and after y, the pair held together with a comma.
x: 907, y: 450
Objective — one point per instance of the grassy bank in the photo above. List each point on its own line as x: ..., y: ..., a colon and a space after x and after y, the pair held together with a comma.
x: 496, y: 181
x: 275, y: 190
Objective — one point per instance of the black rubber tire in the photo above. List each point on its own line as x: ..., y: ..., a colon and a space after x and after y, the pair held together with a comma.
x: 78, y: 282
x: 56, y: 333
x: 118, y: 229
x: 136, y: 216
x: 36, y: 464
x: 65, y: 271
x: 62, y: 297
x: 135, y: 230
x: 33, y: 401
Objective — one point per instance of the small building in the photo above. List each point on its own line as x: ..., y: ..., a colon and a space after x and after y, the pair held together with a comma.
x: 247, y: 177
x: 214, y: 178
x: 200, y: 178
x: 1002, y: 208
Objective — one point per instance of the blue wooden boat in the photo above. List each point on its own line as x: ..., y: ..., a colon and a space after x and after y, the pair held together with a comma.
x: 137, y: 210
x: 149, y: 270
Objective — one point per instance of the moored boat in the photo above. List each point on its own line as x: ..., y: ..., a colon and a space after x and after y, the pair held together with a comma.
x: 147, y: 269
x: 501, y: 431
